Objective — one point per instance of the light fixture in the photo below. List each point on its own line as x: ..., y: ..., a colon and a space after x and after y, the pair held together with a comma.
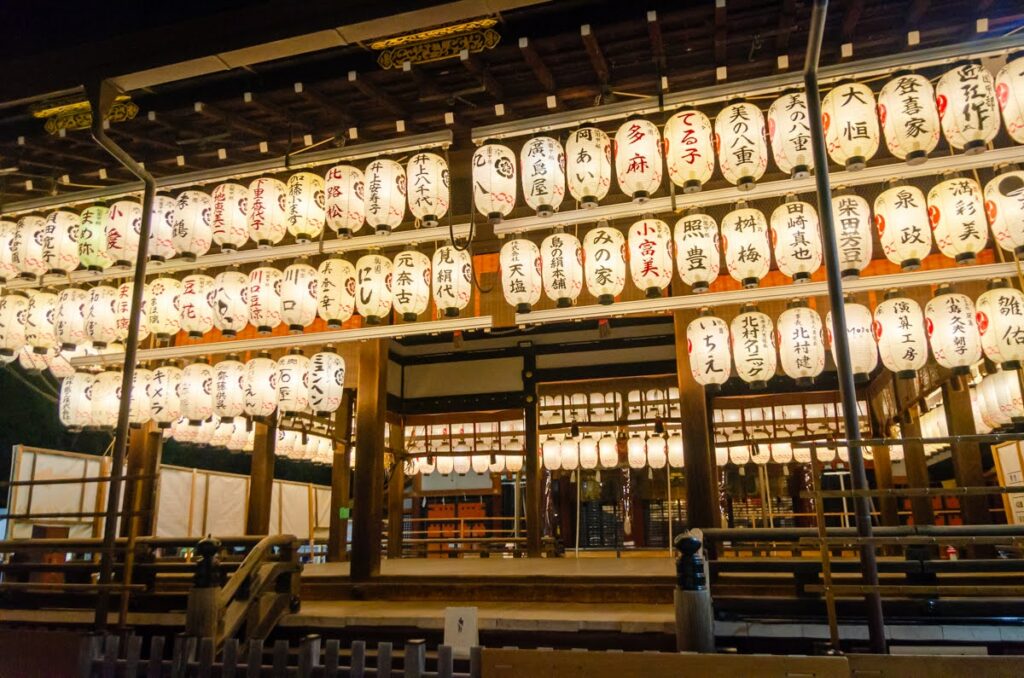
x: 92, y: 240
x: 801, y: 344
x: 228, y: 389
x: 452, y: 272
x: 561, y: 256
x: 638, y: 160
x: 326, y: 381
x: 264, y: 297
x: 428, y: 183
x: 909, y: 117
x: 410, y: 284
x: 707, y: 343
x: 260, y: 384
x: 650, y: 256
x: 689, y: 149
x: 384, y: 195
x: 1001, y: 324
x: 494, y: 181
x: 121, y: 232
x: 958, y: 221
x: 851, y: 215
x: 336, y: 291
x: 953, y: 331
x: 229, y: 219
x: 1010, y: 94
x: 901, y: 217
x: 345, y: 209
x: 745, y: 240
x: 900, y: 333
x: 1004, y: 207
x: 789, y: 131
x: 604, y: 260
x: 753, y: 347
x: 520, y: 264
x: 850, y: 124
x: 230, y: 302
x: 860, y: 338
x: 195, y: 311
x: 373, y: 288
x: 60, y: 244
x: 193, y: 233
x: 299, y: 296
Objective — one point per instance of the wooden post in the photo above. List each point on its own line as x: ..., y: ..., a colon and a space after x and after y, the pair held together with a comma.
x: 966, y: 455
x: 396, y: 490
x: 367, y: 508
x: 913, y: 452
x: 531, y: 448
x: 261, y: 477
x: 135, y: 461
x: 888, y: 507
x: 341, y: 480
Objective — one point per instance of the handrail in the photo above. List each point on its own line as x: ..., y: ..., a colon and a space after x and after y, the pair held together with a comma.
x: 257, y: 556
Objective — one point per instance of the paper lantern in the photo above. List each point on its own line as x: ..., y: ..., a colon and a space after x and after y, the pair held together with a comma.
x: 8, y: 268
x: 33, y: 362
x: 106, y: 399
x: 551, y: 454
x: 650, y: 256
x: 193, y: 224
x: 163, y: 392
x: 902, y: 340
x: 1004, y: 206
x: 229, y: 301
x: 604, y: 261
x: 1010, y: 94
x: 40, y: 331
x: 293, y: 383
x: 345, y: 209
x: 513, y: 463
x: 957, y: 215
x: 860, y: 338
x: 230, y: 218
x: 1008, y: 395
x: 410, y: 284
x: 139, y: 411
x: 753, y: 348
x: 569, y: 454
x: 194, y: 304
x: 92, y: 239
x: 1001, y: 324
x: 801, y: 344
x: 196, y: 392
x: 461, y: 463
x: 796, y: 239
x: 336, y: 290
x: 689, y: 150
x: 239, y: 435
x: 427, y: 179
x: 909, y: 117
x: 27, y: 247
x: 101, y: 316
x: 480, y: 463
x: 588, y: 160
x: 657, y: 451
x: 385, y: 195
x: 740, y: 143
x: 58, y: 362
x: 304, y: 206
x: 284, y: 446
x: 265, y: 298
x: 299, y: 296
x: 851, y: 124
x: 638, y: 159
x: 789, y: 130
x: 696, y: 247
x: 852, y: 219
x: 453, y: 279
x: 745, y: 239
x: 901, y: 217
x: 966, y: 99
x: 636, y: 452
x: 266, y: 216
x: 260, y: 384
x: 163, y: 316
x: 707, y: 343
x: 608, y: 451
x: 228, y: 389
x: 561, y: 256
x: 122, y: 231
x: 953, y: 331
x: 676, y: 458
x: 60, y: 242
x: 222, y: 434
x: 444, y: 462
x: 70, y: 318
x: 182, y: 432
x: 542, y: 163
x: 588, y: 455
x: 326, y: 382
x: 498, y: 463
x: 74, y: 405
x: 494, y: 181
x: 161, y: 228
x: 373, y: 288
x: 520, y: 265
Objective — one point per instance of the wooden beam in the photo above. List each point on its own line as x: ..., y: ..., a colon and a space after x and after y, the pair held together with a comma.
x: 721, y: 33
x: 537, y: 65
x: 396, y: 491
x: 967, y: 469
x: 323, y: 101
x: 850, y: 18
x: 657, y: 42
x: 367, y: 504
x: 250, y: 100
x: 232, y: 120
x: 475, y: 66
x: 531, y: 448
x: 787, y: 22
x: 341, y: 480
x: 597, y: 59
x: 375, y: 93
x: 916, y: 12
x: 428, y: 89
x: 914, y: 460
x: 261, y: 478
x: 135, y: 461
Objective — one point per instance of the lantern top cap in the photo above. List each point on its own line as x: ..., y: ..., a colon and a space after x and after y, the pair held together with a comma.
x: 797, y: 302
x: 892, y: 293
x: 895, y: 181
x: 295, y: 351
x: 748, y: 308
x: 943, y: 288
x: 263, y: 354
x: 901, y: 72
x: 741, y: 205
x: 1007, y: 167
x: 997, y: 283
x: 792, y: 197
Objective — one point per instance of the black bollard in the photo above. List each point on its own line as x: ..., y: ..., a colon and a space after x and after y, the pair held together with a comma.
x: 202, y: 617
x: 695, y: 622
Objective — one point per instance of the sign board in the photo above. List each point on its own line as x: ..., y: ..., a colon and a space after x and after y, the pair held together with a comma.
x: 460, y: 630
x: 1009, y: 459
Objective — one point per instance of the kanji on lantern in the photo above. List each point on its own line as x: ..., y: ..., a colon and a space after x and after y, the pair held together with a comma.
x: 801, y: 344
x: 797, y: 239
x: 192, y: 234
x: 604, y: 260
x: 494, y: 181
x: 1004, y: 207
x: 697, y: 256
x: 650, y: 256
x: 745, y: 240
x: 900, y: 333
x: 542, y: 166
x: 345, y: 207
x: 336, y: 291
x: 909, y: 117
x: 410, y: 284
x: 588, y: 165
x: 638, y: 158
x: 1000, y: 316
x: 901, y: 217
x: 950, y: 321
x: 689, y: 150
x: 304, y: 205
x: 851, y: 216
x: 230, y: 219
x: 789, y: 130
x: 561, y: 256
x: 520, y: 265
x: 1010, y: 94
x: 453, y: 279
x: 266, y: 216
x: 373, y: 288
x: 851, y: 124
x: 707, y: 343
x: 740, y: 143
x: 966, y: 99
x: 753, y: 347
x: 957, y: 215
x: 427, y: 182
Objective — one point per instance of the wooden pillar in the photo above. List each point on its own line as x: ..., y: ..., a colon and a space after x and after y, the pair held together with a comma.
x: 531, y: 448
x: 702, y: 509
x: 888, y: 507
x: 341, y: 480
x: 146, y: 498
x: 396, y: 490
x: 261, y: 477
x: 913, y: 452
x: 966, y: 455
x: 135, y: 461
x: 368, y: 497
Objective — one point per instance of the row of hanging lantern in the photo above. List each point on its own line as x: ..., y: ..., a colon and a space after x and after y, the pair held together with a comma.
x: 745, y: 451
x: 237, y: 435
x: 483, y: 447
x: 785, y: 420
x: 597, y: 450
x: 596, y: 407
x: 997, y: 401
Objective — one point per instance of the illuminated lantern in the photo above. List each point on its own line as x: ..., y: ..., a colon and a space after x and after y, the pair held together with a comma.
x: 852, y: 218
x: 707, y: 342
x: 260, y: 385
x: 345, y: 209
x: 326, y: 381
x: 494, y: 181
x: 230, y: 302
x: 851, y: 124
x: 182, y: 432
x: 966, y: 99
x: 453, y: 279
x: 739, y: 140
x: 909, y: 117
x: 860, y: 338
x: 902, y: 340
x: 1004, y: 206
x: 163, y: 318
x: 27, y: 247
x: 650, y: 256
x: 551, y: 454
x: 675, y: 451
x: 638, y: 158
x: 1010, y: 94
x: 588, y: 452
x: 304, y: 206
x: 427, y: 179
x: 957, y: 215
x: 121, y: 230
x: 92, y: 239
x: 513, y: 462
x: 106, y: 399
x: 373, y: 288
x: 194, y: 307
x: 542, y: 163
x: 100, y: 316
x: 1001, y: 323
x: 138, y: 405
x: 161, y: 228
x: 40, y: 331
x: 480, y: 463
x: 520, y: 273
x: 604, y: 262
x: 689, y: 150
x: 293, y: 382
x: 697, y: 255
x: 60, y: 242
x: 410, y: 284
x: 745, y: 238
x: 222, y: 434
x: 801, y: 344
x: 901, y: 217
x: 588, y: 160
x: 636, y: 452
x: 266, y: 215
x: 608, y: 451
x: 298, y: 297
x: 196, y: 392
x: 1008, y: 395
x: 163, y: 392
x: 8, y: 269
x: 265, y: 298
x: 230, y: 220
x: 75, y: 402
x: 753, y: 347
x: 336, y: 290
x: 797, y: 239
x: 193, y: 227
x: 385, y: 195
x: 461, y: 462
x: 228, y: 390
x: 239, y: 435
x: 33, y: 362
x: 69, y: 320
x: 657, y: 455
x: 561, y: 257
x: 59, y: 362
x: 782, y: 453
x: 444, y: 462
x: 953, y: 331
x: 789, y: 131
x: 569, y: 454
x: 285, y: 444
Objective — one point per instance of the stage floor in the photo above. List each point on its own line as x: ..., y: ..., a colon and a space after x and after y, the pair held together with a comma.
x: 507, y: 567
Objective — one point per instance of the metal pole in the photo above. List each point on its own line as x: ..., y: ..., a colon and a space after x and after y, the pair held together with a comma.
x: 841, y: 350
x: 101, y: 96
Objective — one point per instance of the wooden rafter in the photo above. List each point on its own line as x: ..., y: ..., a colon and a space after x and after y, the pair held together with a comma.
x: 232, y: 120
x: 657, y: 42
x: 537, y: 65
x: 787, y: 21
x: 428, y: 89
x: 721, y: 33
x: 595, y: 54
x: 375, y: 93
x: 332, y: 107
x: 475, y: 66
x: 850, y: 18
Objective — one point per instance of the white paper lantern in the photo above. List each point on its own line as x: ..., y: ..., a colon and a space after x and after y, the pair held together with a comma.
x: 789, y: 130
x: 909, y: 117
x: 860, y: 338
x: 194, y: 304
x: 636, y: 452
x: 650, y: 256
x: 304, y: 206
x: 901, y: 217
x: 953, y: 331
x: 27, y: 247
x: 604, y: 261
x: 689, y: 150
x: 58, y: 362
x: 480, y: 463
x: 139, y: 411
x: 106, y: 399
x: 385, y: 195
x: 797, y: 239
x: 542, y: 163
x: 299, y: 296
x: 266, y: 214
x: 900, y: 333
x: 101, y: 316
x: 753, y: 347
x: 69, y: 320
x: 1004, y: 206
x: 852, y: 218
x: 745, y: 239
x: 740, y: 142
x: 163, y: 316
x: 561, y: 256
x: 551, y: 454
x: 696, y: 247
x: 957, y: 215
x: 513, y: 463
x: 569, y: 454
x: 92, y: 239
x: 520, y: 265
x: 34, y: 362
x: 427, y: 178
x: 8, y: 269
x: 285, y: 444
x: 373, y: 288
x: 196, y: 392
x: 676, y: 459
x: 657, y: 451
x: 193, y: 227
x: 1010, y: 94
x: 588, y: 160
x: 608, y: 451
x: 228, y: 389
x: 40, y: 331
x: 345, y: 209
x: 163, y: 393
x: 336, y: 290
x: 265, y: 298
x: 410, y: 284
x: 161, y: 228
x: 1008, y: 395
x: 74, y: 404
x: 707, y: 343
x: 326, y: 382
x: 222, y: 434
x: 801, y: 344
x: 588, y: 455
x: 638, y: 159
x: 1001, y: 324
x: 293, y: 383
x: 122, y: 231
x: 494, y: 181
x: 60, y: 242
x: 851, y: 124
x: 230, y: 216
x: 239, y: 435
x: 453, y: 279
x: 461, y: 463
x: 229, y: 300
x: 498, y: 463
x: 966, y: 99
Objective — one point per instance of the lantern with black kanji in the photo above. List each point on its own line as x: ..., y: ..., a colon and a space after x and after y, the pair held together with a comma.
x: 851, y: 216
x: 264, y: 297
x: 745, y: 239
x: 336, y: 291
x: 92, y: 239
x: 194, y: 308
x: 707, y: 343
x: 427, y: 181
x: 373, y: 288
x: 789, y: 130
x: 100, y: 316
x: 1004, y: 207
x: 69, y: 319
x: 753, y: 347
x: 298, y: 296
x: 561, y: 256
x: 193, y: 229
x: 345, y: 208
x: 638, y: 158
x: 260, y: 385
x: 957, y: 215
x: 60, y: 242
x: 40, y: 331
x: 27, y: 247
x: 796, y: 239
x: 410, y: 284
x: 230, y: 218
x: 304, y: 206
x: 689, y: 150
x: 452, y: 272
x: 801, y: 344
x: 604, y: 262
x: 588, y: 165
x: 696, y: 246
x: 385, y: 195
x: 909, y: 117
x: 228, y: 389
x: 1010, y: 94
x: 952, y: 328
x: 901, y: 217
x: 163, y: 393
x: 520, y: 273
x: 326, y: 381
x: 293, y: 382
x: 1001, y: 324
x: 230, y: 302
x: 851, y: 124
x: 74, y: 404
x: 900, y: 333
x: 966, y: 99
x: 740, y: 143
x: 542, y: 165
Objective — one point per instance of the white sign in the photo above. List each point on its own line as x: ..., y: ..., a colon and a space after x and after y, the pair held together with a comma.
x: 460, y: 630
x: 1009, y: 469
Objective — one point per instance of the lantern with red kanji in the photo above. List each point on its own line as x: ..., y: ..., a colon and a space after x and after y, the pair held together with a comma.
x: 689, y: 150
x: 638, y: 158
x: 650, y: 256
